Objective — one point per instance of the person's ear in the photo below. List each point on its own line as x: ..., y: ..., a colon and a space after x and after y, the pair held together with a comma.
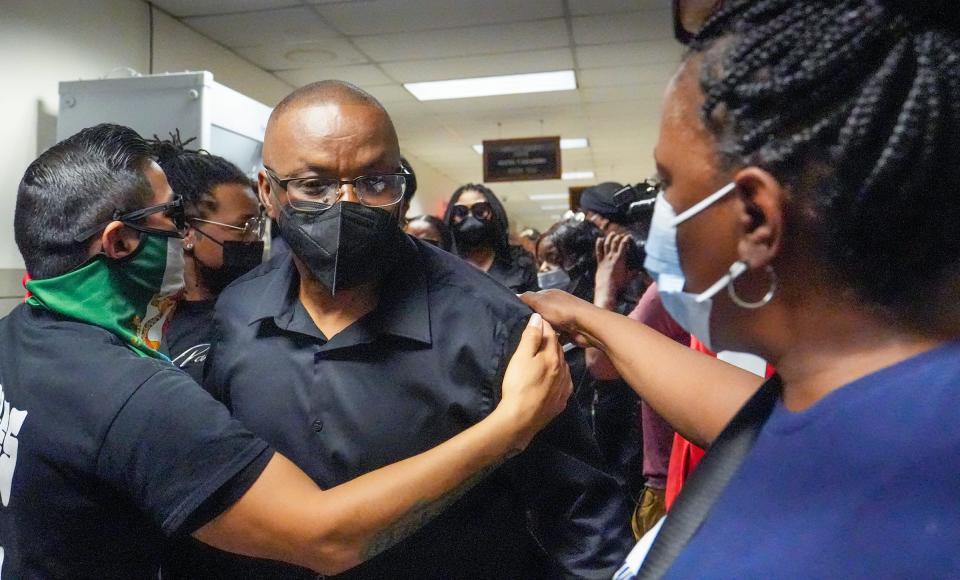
x: 263, y: 191
x: 118, y: 241
x: 761, y: 216
x: 190, y: 239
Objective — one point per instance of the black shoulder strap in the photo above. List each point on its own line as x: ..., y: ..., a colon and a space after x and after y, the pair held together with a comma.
x: 709, y: 480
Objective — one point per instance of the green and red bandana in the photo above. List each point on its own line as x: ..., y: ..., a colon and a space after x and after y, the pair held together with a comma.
x: 131, y: 297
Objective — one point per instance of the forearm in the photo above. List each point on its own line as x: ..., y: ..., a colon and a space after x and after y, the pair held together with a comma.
x: 378, y: 510
x: 285, y: 516
x: 598, y: 364
x: 696, y: 394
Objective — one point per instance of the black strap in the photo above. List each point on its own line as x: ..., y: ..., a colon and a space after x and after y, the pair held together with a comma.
x: 709, y: 480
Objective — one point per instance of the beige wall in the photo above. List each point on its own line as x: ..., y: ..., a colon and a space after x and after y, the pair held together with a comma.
x: 43, y: 43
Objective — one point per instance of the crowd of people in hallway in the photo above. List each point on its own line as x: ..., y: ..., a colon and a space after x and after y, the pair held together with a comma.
x: 746, y: 366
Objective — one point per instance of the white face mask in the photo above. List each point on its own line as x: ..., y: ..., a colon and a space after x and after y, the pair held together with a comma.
x: 691, y: 311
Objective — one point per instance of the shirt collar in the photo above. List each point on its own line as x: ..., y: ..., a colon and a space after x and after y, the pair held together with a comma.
x: 403, y: 309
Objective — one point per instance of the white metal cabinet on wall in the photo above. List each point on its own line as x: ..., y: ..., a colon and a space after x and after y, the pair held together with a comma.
x: 223, y: 121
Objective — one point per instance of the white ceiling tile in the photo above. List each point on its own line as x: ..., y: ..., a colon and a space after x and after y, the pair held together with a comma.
x: 391, y: 94
x: 587, y: 7
x: 364, y: 74
x: 495, y: 39
x: 638, y: 77
x: 267, y: 27
x: 392, y: 16
x: 201, y: 7
x: 328, y: 52
x: 504, y: 106
x: 480, y: 66
x: 631, y: 27
x: 609, y: 94
x: 646, y: 109
x: 626, y: 54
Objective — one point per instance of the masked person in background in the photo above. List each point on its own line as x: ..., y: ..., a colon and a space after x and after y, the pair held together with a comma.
x: 107, y: 449
x: 622, y: 286
x: 364, y: 345
x: 570, y: 250
x: 430, y: 229
x: 223, y: 241
x: 568, y: 262
x: 481, y: 237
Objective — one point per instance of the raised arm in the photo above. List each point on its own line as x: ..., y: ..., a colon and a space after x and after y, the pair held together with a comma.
x: 611, y: 278
x: 285, y: 516
x: 696, y: 394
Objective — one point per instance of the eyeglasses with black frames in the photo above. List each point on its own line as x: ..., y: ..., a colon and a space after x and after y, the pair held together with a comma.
x: 173, y: 209
x: 314, y: 193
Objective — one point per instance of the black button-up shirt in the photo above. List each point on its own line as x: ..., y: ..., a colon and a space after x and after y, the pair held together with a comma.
x: 423, y: 366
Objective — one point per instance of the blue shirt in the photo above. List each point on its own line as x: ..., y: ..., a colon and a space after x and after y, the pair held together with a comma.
x: 424, y: 365
x: 865, y: 483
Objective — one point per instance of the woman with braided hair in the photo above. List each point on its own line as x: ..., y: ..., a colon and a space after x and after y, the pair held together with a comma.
x: 810, y: 156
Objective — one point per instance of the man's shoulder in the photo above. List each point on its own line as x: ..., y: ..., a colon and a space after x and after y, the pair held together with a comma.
x: 71, y: 365
x: 36, y: 332
x: 243, y: 295
x: 455, y: 283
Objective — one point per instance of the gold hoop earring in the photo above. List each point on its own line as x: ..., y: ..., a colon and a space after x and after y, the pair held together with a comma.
x: 774, y: 285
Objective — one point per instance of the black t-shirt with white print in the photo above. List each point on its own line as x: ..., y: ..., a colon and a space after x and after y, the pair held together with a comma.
x: 103, y: 453
x: 186, y: 338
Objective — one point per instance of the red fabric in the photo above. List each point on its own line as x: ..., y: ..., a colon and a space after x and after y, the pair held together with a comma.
x: 24, y: 280
x: 685, y: 456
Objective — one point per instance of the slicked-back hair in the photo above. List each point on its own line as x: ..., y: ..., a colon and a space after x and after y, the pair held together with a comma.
x: 194, y: 174
x: 855, y: 106
x: 502, y: 241
x: 73, y: 186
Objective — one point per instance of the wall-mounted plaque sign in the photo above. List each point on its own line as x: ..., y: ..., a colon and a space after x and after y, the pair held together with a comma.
x: 521, y: 159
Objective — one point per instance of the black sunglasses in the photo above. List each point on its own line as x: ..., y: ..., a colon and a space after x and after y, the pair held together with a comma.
x: 480, y: 210
x: 172, y: 209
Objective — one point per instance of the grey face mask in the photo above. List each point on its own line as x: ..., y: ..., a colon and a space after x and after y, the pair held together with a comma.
x: 556, y: 278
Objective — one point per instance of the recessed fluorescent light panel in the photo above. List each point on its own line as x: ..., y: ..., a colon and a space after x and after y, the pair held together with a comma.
x: 564, y: 80
x: 574, y: 143
x: 548, y: 196
x: 573, y: 175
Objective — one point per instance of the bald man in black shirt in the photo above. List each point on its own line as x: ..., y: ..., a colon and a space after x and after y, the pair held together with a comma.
x: 363, y: 346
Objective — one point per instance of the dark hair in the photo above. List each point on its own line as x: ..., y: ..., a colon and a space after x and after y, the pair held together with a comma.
x: 502, y: 243
x: 446, y: 238
x: 575, y: 240
x: 73, y: 186
x: 855, y: 106
x: 194, y: 174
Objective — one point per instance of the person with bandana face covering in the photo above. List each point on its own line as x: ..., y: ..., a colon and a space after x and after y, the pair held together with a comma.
x: 364, y: 344
x: 107, y: 450
x: 223, y: 241
x: 481, y: 237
